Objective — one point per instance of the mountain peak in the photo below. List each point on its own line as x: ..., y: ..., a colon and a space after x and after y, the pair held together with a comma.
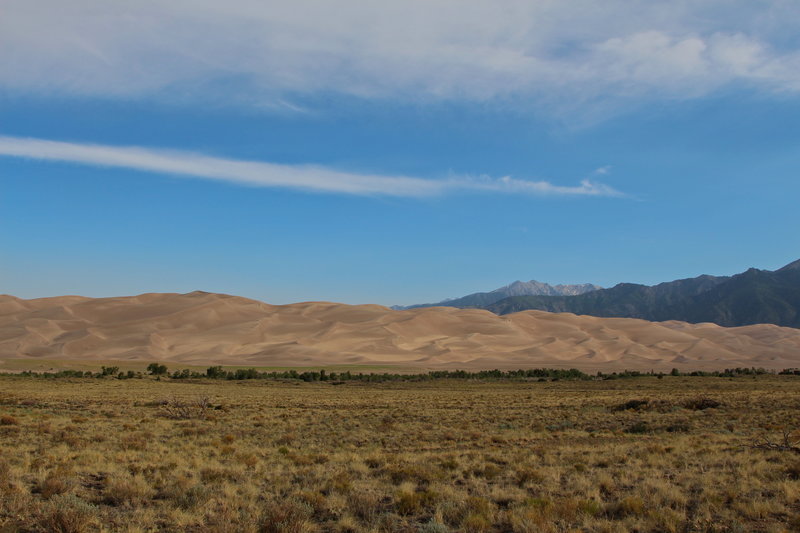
x: 516, y: 288
x: 538, y: 288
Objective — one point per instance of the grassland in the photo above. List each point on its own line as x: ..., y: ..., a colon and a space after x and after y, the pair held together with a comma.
x: 220, y: 456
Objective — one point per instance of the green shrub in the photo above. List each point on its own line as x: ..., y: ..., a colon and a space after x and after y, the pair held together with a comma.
x: 66, y: 513
x: 434, y: 527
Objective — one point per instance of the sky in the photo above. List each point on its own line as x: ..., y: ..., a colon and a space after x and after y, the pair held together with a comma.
x: 393, y: 152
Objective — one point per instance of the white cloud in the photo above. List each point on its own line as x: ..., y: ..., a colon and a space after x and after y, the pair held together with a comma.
x: 555, y: 53
x: 262, y: 174
x: 541, y: 188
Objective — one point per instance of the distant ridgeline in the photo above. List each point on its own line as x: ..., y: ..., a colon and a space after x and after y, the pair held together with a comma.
x: 752, y: 297
x: 518, y: 288
x: 536, y: 374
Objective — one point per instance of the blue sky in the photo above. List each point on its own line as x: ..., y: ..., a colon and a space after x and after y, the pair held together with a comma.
x: 393, y: 154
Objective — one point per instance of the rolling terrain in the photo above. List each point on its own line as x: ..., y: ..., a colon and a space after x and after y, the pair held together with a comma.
x: 205, y: 328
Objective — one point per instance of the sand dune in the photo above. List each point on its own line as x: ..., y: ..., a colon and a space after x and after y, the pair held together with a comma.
x: 203, y: 328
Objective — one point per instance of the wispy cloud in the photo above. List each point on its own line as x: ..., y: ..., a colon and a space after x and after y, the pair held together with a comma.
x: 565, y: 54
x: 508, y: 184
x: 264, y: 174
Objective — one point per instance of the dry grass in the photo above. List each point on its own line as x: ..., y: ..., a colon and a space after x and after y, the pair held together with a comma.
x: 628, y: 455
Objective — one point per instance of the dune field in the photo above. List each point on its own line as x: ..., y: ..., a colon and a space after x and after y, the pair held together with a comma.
x: 205, y: 328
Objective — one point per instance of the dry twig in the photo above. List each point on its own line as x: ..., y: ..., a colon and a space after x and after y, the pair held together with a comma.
x: 789, y: 443
x: 183, y: 410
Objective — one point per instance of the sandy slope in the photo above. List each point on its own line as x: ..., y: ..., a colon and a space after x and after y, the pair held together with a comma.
x: 203, y: 328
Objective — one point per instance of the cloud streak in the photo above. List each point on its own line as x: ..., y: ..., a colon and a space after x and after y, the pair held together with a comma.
x: 263, y: 174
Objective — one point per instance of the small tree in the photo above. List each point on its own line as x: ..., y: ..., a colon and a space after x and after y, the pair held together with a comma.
x: 110, y: 370
x: 157, y: 370
x: 215, y: 372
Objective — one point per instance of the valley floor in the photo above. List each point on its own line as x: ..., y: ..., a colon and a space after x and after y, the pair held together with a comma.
x: 640, y: 454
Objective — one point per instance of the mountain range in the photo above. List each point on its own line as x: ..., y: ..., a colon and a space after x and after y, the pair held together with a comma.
x: 518, y: 288
x: 752, y: 297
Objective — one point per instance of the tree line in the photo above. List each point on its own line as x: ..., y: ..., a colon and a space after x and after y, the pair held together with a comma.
x: 160, y: 371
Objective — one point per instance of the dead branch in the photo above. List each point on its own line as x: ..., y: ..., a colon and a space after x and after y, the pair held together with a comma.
x: 788, y: 443
x: 184, y: 410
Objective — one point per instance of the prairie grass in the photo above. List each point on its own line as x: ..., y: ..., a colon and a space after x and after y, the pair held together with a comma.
x: 646, y: 454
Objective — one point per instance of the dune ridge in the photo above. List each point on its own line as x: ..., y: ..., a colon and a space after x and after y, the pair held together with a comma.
x: 201, y: 328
